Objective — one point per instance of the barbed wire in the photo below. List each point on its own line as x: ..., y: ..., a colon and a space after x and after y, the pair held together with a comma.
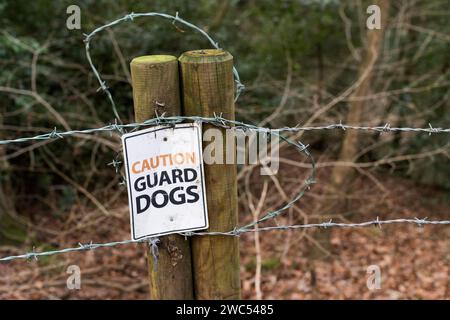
x: 218, y: 121
x: 382, y: 129
x: 160, y: 120
x: 130, y: 17
x: 236, y: 232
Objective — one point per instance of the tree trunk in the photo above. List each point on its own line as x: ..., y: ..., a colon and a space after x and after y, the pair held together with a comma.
x: 349, y: 149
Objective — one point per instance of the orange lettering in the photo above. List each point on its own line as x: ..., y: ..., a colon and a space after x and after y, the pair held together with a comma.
x: 192, y: 157
x: 133, y: 167
x: 145, y: 165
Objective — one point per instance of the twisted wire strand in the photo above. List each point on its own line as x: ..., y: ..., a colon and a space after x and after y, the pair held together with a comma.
x: 218, y: 120
x: 235, y: 232
x: 223, y: 123
x: 130, y: 17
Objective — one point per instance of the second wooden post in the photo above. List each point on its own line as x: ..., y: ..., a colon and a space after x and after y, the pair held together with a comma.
x: 208, y: 88
x: 156, y: 90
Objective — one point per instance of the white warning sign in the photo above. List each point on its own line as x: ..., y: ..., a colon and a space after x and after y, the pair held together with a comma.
x: 165, y: 180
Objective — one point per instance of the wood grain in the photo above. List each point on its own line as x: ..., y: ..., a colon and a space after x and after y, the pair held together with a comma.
x: 208, y: 88
x: 155, y: 81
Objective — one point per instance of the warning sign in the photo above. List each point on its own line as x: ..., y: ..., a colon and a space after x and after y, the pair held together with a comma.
x: 165, y: 180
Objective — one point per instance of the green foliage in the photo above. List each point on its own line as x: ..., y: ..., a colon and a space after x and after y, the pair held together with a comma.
x: 67, y: 198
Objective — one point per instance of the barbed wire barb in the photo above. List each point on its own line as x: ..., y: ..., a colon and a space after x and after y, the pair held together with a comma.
x: 217, y: 120
x: 153, y: 242
x: 120, y: 128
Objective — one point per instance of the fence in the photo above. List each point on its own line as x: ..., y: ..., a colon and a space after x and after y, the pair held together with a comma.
x: 221, y: 122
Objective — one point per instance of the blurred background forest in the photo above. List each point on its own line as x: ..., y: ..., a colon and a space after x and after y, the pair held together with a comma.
x: 302, y: 62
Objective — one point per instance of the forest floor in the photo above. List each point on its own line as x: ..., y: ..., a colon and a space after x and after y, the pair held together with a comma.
x: 413, y: 260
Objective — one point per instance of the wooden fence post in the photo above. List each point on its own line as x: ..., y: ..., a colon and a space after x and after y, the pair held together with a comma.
x: 155, y: 82
x: 208, y: 88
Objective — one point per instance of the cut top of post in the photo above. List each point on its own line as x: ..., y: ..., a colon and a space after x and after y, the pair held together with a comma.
x: 153, y: 59
x: 205, y: 56
x: 208, y: 86
x: 155, y: 82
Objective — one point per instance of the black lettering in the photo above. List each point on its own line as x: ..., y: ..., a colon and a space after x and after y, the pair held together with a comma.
x: 138, y: 185
x: 177, y: 174
x: 164, y: 178
x: 149, y: 180
x: 165, y: 199
x: 195, y: 195
x: 186, y: 175
x: 139, y: 207
x: 181, y: 196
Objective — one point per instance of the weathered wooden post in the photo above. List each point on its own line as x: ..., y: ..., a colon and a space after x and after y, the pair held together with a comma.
x: 155, y: 82
x: 208, y: 88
